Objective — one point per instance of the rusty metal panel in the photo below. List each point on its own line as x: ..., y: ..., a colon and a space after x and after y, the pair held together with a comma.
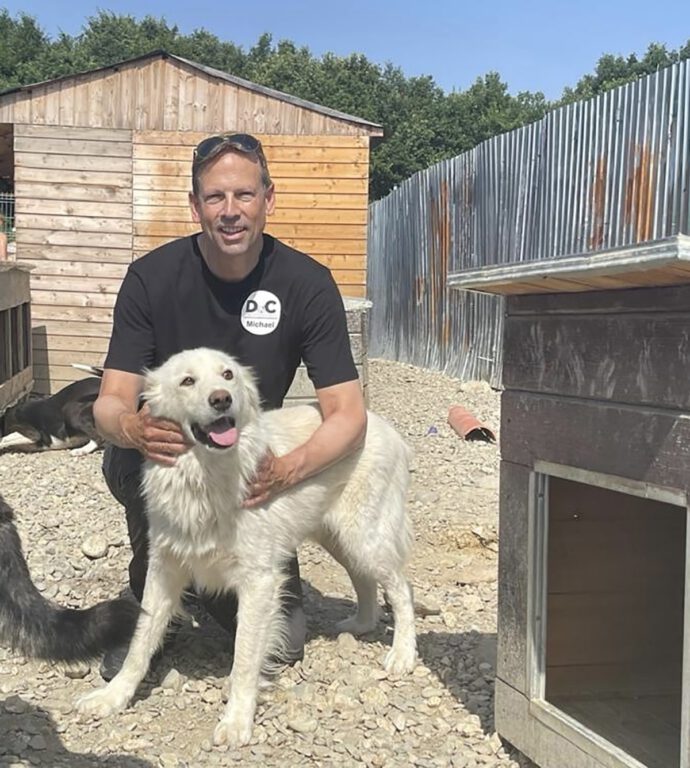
x: 605, y: 173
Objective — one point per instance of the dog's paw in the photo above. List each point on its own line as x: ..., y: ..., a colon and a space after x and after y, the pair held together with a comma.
x: 102, y: 703
x: 400, y: 661
x: 356, y: 626
x: 233, y: 731
x: 84, y: 450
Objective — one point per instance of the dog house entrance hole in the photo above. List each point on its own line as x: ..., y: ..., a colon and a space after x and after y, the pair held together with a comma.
x: 609, y: 613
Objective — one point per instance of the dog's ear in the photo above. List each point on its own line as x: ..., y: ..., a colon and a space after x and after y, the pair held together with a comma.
x: 153, y: 390
x: 250, y: 390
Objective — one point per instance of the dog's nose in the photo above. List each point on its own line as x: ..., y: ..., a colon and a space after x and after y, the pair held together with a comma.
x: 220, y: 400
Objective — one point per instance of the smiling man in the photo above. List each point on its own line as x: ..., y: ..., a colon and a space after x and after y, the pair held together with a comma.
x: 235, y: 288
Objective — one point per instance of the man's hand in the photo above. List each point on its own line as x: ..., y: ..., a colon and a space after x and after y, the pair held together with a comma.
x: 157, y: 439
x: 342, y: 431
x: 272, y: 476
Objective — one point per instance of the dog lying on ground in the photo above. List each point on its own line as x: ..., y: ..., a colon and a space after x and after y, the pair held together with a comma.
x: 200, y: 533
x: 37, y: 628
x: 63, y: 420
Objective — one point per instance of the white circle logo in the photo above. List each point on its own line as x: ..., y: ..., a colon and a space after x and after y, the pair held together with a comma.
x: 260, y: 313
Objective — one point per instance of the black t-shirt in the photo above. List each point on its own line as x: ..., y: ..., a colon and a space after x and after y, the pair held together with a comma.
x: 288, y: 308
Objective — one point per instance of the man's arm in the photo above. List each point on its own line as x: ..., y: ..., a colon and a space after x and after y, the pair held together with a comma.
x: 342, y: 431
x: 120, y: 420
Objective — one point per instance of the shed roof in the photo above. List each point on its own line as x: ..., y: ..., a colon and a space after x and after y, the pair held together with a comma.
x: 374, y: 128
x: 664, y: 262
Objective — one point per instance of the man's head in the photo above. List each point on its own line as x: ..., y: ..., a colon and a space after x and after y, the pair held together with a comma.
x: 215, y: 146
x: 231, y: 196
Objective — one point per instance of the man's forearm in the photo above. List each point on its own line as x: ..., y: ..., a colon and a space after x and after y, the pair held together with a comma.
x: 336, y: 438
x: 110, y: 414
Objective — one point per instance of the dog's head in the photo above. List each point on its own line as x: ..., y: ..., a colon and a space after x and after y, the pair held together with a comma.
x: 207, y: 392
x: 13, y: 419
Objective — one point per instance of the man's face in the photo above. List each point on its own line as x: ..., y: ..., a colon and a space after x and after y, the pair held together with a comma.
x: 231, y: 205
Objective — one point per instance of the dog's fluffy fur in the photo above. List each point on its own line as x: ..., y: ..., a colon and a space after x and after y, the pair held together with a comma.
x: 36, y: 627
x: 200, y: 533
x: 63, y: 420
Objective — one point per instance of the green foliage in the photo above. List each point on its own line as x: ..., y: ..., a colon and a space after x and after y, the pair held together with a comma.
x: 109, y: 38
x: 21, y: 41
x: 422, y: 124
x: 612, y: 71
x: 204, y: 48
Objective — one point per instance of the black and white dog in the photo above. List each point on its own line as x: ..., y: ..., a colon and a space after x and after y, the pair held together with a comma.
x: 37, y: 628
x: 63, y: 420
x: 29, y: 623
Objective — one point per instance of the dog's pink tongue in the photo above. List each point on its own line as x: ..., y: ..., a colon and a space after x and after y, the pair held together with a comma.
x: 224, y: 437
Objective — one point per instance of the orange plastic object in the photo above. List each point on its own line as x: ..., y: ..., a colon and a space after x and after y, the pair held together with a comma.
x: 468, y: 426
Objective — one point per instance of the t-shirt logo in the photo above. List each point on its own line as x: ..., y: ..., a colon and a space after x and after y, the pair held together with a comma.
x: 260, y: 313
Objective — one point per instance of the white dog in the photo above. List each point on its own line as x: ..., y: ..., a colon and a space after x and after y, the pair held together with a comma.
x: 200, y: 533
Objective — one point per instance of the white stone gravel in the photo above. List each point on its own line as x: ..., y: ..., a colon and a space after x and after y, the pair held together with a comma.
x: 338, y: 707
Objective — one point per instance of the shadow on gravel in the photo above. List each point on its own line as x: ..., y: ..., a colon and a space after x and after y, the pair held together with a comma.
x: 196, y: 652
x: 465, y: 662
x: 29, y: 737
x: 455, y: 659
x: 206, y: 650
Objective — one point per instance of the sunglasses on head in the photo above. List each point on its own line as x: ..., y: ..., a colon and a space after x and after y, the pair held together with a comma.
x: 209, y: 147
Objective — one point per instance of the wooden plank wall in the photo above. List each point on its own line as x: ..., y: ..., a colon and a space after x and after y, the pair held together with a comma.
x: 321, y: 204
x: 627, y: 347
x: 74, y: 225
x: 164, y: 94
x: 616, y: 579
x: 89, y: 200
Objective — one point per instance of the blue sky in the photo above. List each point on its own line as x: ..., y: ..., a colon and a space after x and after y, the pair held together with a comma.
x: 536, y: 46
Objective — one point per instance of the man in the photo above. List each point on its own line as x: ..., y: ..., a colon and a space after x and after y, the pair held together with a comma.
x: 234, y: 288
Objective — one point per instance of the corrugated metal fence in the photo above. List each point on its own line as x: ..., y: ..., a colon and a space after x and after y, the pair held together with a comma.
x: 609, y: 172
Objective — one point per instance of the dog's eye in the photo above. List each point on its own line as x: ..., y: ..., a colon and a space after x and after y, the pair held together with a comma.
x: 188, y: 381
x: 227, y: 375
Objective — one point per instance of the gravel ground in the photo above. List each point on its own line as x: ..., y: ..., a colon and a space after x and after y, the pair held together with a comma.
x: 335, y: 708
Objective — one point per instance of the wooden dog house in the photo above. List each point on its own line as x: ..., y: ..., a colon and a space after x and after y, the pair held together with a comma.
x: 16, y: 377
x: 100, y: 165
x: 593, y: 630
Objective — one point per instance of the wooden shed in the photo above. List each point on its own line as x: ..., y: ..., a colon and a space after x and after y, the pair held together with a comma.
x: 100, y: 167
x: 593, y: 663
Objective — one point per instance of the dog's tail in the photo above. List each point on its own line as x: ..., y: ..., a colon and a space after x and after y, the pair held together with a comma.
x: 40, y: 629
x: 94, y: 370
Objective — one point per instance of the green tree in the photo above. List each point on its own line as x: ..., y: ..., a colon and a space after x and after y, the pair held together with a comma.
x: 612, y: 71
x: 208, y: 49
x: 284, y: 67
x: 484, y: 110
x: 62, y: 57
x: 108, y: 38
x: 22, y: 42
